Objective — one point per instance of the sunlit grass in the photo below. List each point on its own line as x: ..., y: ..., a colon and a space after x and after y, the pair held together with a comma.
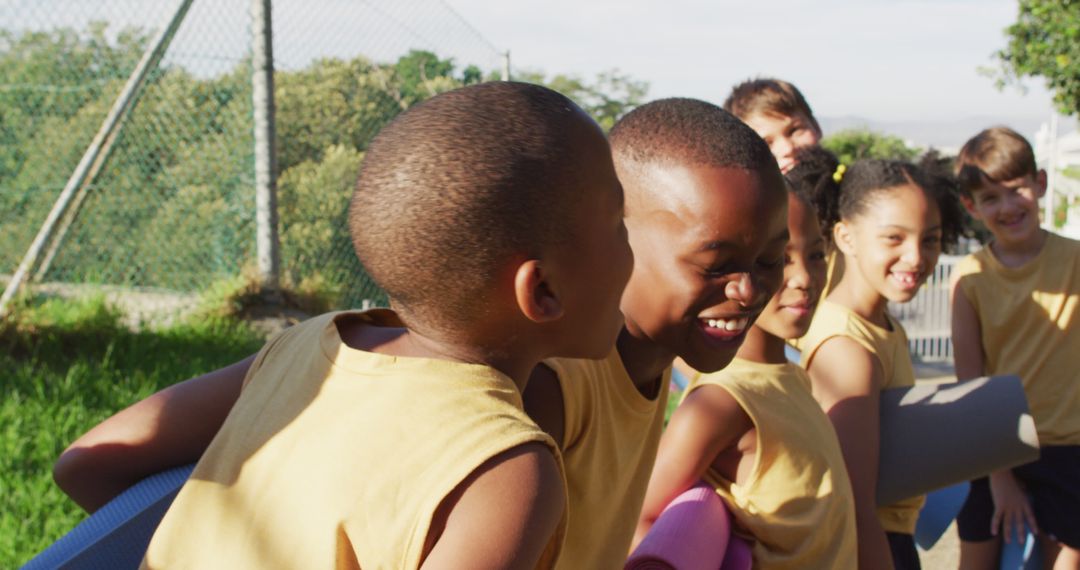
x: 66, y: 365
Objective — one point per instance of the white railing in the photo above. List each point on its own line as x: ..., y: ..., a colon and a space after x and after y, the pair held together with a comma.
x: 926, y: 318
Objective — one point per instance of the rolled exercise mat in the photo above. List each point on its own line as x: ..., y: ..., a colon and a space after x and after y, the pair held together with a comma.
x: 1021, y: 554
x: 939, y: 512
x: 738, y: 555
x: 933, y: 436
x: 690, y: 534
x: 116, y: 535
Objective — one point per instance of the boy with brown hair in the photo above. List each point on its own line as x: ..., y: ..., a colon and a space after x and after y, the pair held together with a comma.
x: 778, y: 112
x: 706, y: 212
x: 1016, y: 310
x: 395, y: 437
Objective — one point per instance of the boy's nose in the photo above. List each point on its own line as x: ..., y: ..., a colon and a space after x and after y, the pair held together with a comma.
x: 782, y: 147
x: 741, y: 288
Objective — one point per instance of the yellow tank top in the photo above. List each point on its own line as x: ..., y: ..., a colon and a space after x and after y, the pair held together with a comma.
x: 334, y: 457
x: 1031, y: 327
x: 797, y: 505
x: 834, y: 270
x: 611, y: 436
x: 890, y: 347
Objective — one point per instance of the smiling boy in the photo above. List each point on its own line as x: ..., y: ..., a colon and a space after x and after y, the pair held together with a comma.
x: 1015, y: 311
x: 778, y: 112
x: 706, y: 212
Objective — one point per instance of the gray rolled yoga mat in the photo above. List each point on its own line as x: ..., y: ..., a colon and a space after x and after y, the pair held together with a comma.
x: 116, y: 536
x: 935, y: 435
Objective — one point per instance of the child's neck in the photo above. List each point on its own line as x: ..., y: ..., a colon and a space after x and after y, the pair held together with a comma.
x: 644, y: 361
x: 857, y: 295
x: 404, y: 342
x: 1018, y: 253
x: 762, y: 347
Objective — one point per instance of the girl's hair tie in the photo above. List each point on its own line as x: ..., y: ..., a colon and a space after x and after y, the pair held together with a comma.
x: 839, y: 174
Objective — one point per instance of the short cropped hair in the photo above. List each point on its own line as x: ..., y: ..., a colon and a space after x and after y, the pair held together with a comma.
x: 678, y: 131
x: 458, y: 185
x: 999, y: 154
x: 768, y: 96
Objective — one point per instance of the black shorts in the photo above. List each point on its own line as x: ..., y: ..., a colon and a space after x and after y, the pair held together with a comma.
x: 904, y: 554
x: 1053, y: 484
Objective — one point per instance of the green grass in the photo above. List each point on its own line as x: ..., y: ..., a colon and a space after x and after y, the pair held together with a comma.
x: 65, y: 366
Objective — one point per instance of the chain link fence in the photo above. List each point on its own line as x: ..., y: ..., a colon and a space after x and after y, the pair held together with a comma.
x: 171, y: 205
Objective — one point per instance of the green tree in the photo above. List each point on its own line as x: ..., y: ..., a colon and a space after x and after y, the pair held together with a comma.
x: 317, y: 252
x: 338, y: 102
x: 856, y: 144
x: 607, y: 98
x: 1045, y: 42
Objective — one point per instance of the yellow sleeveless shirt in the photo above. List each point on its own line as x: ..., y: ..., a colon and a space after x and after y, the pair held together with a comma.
x: 334, y: 457
x: 797, y: 505
x: 890, y: 347
x: 1030, y: 321
x: 611, y: 436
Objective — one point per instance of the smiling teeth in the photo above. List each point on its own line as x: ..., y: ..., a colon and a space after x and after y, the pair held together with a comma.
x: 906, y: 278
x: 730, y: 325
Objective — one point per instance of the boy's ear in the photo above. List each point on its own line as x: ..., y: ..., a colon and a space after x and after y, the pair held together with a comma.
x: 534, y: 295
x: 843, y: 239
x: 969, y: 205
x: 1040, y: 183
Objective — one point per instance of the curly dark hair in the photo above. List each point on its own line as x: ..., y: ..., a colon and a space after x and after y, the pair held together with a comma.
x: 866, y: 178
x: 812, y: 180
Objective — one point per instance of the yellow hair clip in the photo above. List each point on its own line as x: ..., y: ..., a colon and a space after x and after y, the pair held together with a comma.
x: 839, y: 174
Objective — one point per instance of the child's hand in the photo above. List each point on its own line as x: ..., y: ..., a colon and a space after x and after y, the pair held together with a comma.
x: 1011, y: 507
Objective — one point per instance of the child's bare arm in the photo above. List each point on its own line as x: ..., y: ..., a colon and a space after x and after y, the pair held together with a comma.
x: 503, y: 515
x: 966, y: 335
x: 847, y: 383
x: 708, y: 422
x: 1011, y: 506
x: 172, y: 427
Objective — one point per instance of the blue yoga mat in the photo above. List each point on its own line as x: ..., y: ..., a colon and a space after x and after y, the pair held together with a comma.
x: 1024, y: 555
x: 938, y: 513
x: 116, y: 536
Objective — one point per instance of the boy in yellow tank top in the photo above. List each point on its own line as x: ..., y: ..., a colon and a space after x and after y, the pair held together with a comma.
x: 706, y: 215
x: 755, y: 433
x: 1016, y: 310
x: 395, y: 438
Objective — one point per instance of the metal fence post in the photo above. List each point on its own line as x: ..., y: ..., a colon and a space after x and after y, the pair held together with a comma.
x: 262, y: 84
x: 96, y: 153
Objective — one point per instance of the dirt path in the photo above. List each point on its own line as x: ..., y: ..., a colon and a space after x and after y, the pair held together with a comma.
x: 945, y: 555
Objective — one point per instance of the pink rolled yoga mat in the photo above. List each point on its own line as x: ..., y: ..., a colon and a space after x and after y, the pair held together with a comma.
x: 935, y: 435
x: 693, y: 533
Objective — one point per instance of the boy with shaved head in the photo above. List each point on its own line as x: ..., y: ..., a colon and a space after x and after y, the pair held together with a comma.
x: 706, y: 211
x: 395, y: 438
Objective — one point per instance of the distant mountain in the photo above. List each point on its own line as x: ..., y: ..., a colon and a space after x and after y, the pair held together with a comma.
x: 943, y: 135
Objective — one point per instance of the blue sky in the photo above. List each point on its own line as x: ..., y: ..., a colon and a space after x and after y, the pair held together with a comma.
x: 884, y: 60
